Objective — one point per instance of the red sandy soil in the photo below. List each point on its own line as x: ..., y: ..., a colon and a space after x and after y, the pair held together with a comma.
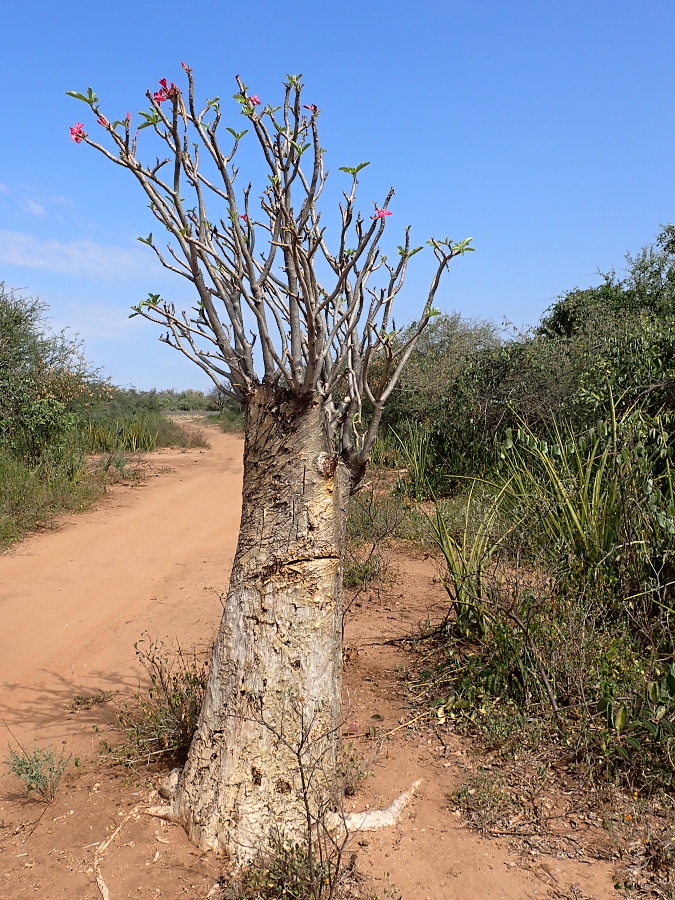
x: 152, y: 558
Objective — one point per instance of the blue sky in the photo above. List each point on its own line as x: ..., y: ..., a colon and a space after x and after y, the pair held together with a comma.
x: 544, y: 130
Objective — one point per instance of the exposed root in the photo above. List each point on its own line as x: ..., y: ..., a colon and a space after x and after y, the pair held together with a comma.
x: 100, y: 852
x: 169, y: 786
x: 102, y: 886
x: 167, y: 790
x: 161, y: 812
x: 366, y: 820
x: 372, y: 819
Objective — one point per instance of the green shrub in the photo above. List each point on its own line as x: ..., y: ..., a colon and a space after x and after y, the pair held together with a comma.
x: 31, y: 495
x: 39, y: 770
x: 44, y: 379
x: 600, y: 506
x: 288, y: 871
x: 230, y: 419
x: 566, y: 607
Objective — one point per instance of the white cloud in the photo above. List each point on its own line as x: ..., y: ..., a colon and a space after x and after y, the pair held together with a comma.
x: 32, y: 207
x: 80, y: 257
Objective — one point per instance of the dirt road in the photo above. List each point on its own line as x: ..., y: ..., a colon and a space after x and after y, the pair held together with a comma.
x: 150, y: 558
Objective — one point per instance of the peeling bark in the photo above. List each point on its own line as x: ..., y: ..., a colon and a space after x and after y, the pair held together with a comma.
x: 266, y: 742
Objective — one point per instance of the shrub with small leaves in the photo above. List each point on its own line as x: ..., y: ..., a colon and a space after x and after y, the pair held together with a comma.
x: 39, y: 770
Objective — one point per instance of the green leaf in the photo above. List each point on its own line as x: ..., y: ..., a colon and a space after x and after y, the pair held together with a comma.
x: 402, y: 251
x: 147, y: 240
x: 151, y: 118
x: 354, y: 170
x: 621, y: 718
x: 463, y: 247
x: 237, y: 135
x: 90, y: 98
x: 300, y: 148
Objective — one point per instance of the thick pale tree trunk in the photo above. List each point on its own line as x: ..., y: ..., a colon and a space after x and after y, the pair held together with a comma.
x: 267, y: 737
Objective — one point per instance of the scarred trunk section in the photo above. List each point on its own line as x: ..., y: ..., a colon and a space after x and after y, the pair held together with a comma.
x: 270, y: 720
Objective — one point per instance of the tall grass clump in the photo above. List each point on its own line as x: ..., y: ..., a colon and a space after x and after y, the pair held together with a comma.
x: 560, y: 599
x: 31, y: 495
x: 600, y: 506
x: 413, y: 444
x: 138, y: 432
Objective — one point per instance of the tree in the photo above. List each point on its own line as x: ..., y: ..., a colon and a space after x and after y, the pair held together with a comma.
x: 43, y: 376
x: 292, y: 332
x: 621, y: 334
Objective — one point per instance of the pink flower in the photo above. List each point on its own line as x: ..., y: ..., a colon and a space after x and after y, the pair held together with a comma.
x: 310, y: 106
x: 165, y: 92
x: 103, y: 122
x: 77, y: 132
x: 254, y: 100
x: 381, y: 213
x: 245, y: 218
x: 186, y: 68
x: 128, y: 119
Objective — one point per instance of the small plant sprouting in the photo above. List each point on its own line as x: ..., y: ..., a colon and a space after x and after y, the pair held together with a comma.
x: 39, y: 770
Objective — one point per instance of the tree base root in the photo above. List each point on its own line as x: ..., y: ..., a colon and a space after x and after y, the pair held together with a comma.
x: 373, y: 819
x: 366, y: 820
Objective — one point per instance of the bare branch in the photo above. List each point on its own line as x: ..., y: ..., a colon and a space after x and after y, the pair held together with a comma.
x: 321, y: 319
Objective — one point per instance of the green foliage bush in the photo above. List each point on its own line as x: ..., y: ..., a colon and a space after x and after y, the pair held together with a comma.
x: 40, y: 770
x: 54, y: 409
x: 43, y: 379
x: 32, y: 495
x: 560, y: 597
x: 611, y: 344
